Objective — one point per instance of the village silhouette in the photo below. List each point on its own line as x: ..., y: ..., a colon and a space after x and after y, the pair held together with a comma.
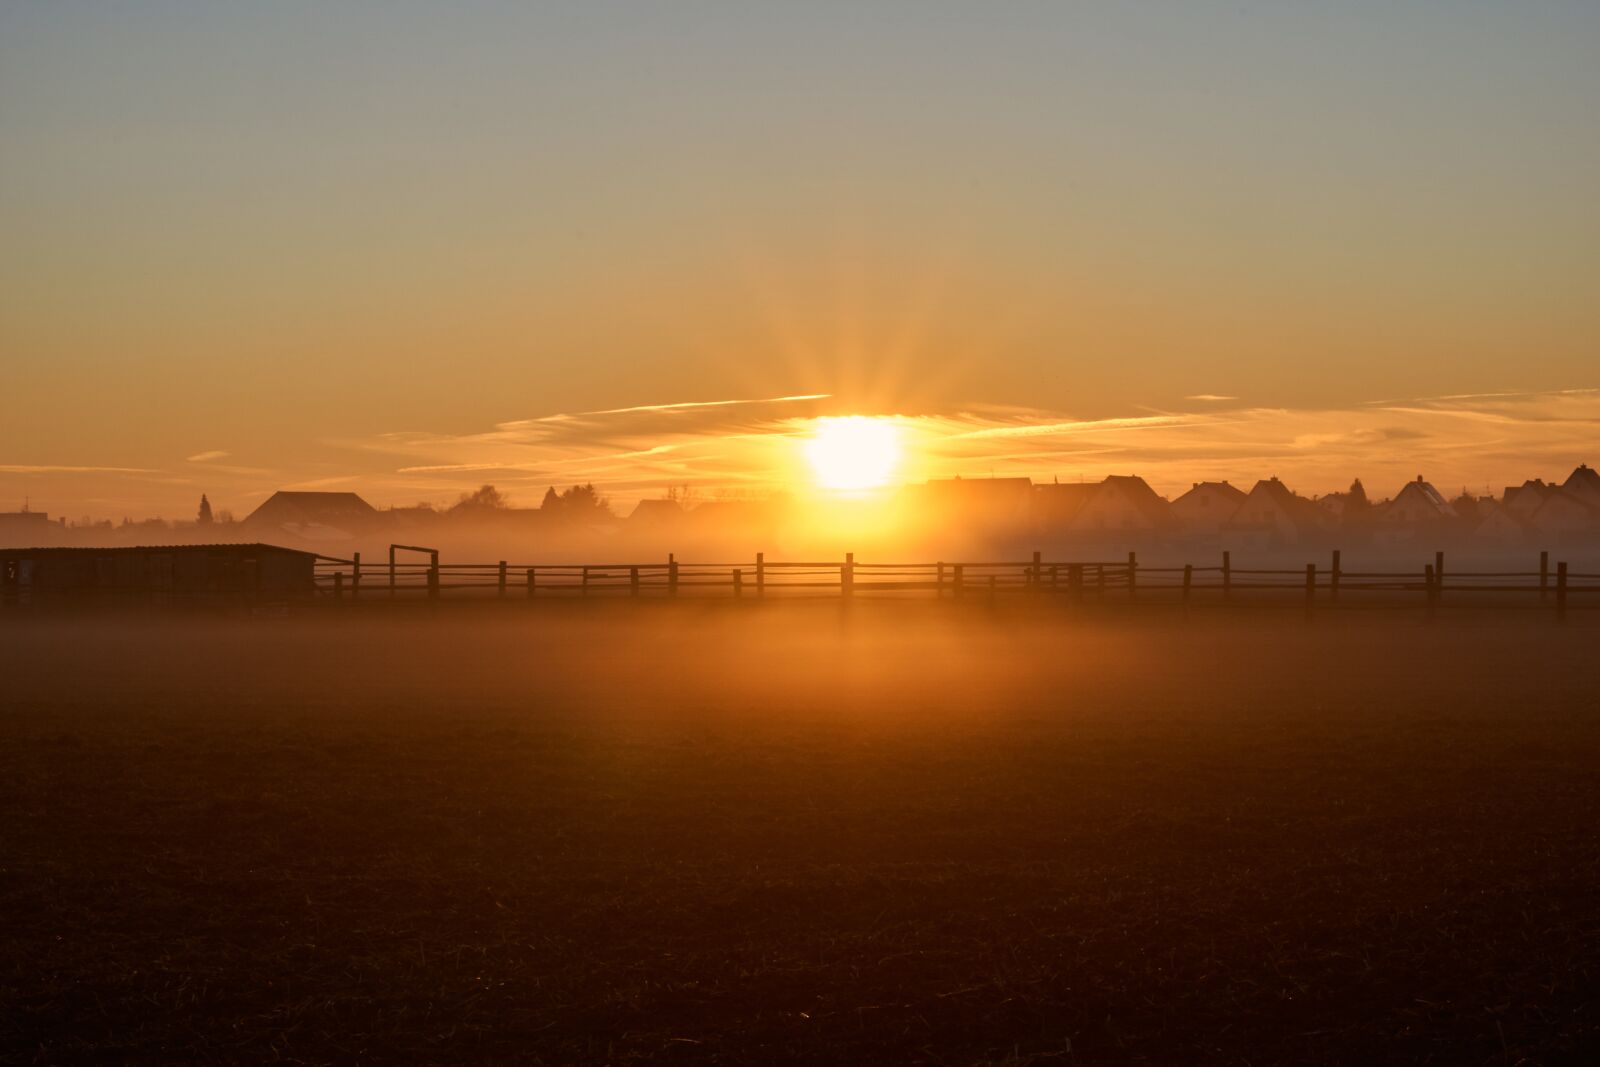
x: 1120, y: 510
x: 955, y: 537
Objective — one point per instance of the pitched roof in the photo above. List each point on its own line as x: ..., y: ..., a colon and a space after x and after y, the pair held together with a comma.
x: 1558, y: 496
x: 1231, y: 492
x: 1584, y: 479
x: 1137, y: 491
x: 1528, y: 495
x: 304, y: 509
x: 655, y: 511
x: 1428, y: 496
x: 1505, y: 517
x: 1301, y: 513
x: 1055, y: 503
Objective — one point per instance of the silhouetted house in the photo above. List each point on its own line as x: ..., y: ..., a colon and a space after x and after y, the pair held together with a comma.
x: 1525, y: 499
x: 1584, y: 483
x: 1417, y: 510
x: 1124, y: 504
x: 413, y: 518
x: 1563, y: 517
x: 1471, y: 510
x: 314, y: 516
x: 655, y: 513
x: 1206, y: 507
x: 1272, y: 515
x: 1350, y: 510
x: 1333, y: 503
x: 214, y: 575
x: 27, y: 528
x: 1506, y: 528
x: 1419, y: 503
x: 1056, y: 505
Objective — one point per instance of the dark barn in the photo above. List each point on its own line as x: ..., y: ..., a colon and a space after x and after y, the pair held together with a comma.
x: 163, y: 575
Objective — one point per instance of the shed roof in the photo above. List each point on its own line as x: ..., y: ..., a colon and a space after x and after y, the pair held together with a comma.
x: 113, y: 550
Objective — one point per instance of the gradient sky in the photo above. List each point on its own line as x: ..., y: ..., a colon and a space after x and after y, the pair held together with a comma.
x: 252, y: 246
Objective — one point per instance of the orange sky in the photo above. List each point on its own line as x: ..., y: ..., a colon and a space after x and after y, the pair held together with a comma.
x: 408, y: 250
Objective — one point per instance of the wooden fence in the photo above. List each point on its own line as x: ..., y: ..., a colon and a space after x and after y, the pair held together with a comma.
x: 1313, y: 588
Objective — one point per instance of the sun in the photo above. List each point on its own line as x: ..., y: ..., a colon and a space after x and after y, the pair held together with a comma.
x: 853, y: 452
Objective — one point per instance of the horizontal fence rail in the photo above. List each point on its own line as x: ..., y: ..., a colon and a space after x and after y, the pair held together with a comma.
x: 1315, y: 587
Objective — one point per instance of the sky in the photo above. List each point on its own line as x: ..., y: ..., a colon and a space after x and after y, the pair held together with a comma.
x: 409, y: 248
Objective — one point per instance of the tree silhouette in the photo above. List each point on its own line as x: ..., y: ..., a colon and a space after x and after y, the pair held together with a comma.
x: 484, y: 498
x: 577, y: 504
x: 204, y: 518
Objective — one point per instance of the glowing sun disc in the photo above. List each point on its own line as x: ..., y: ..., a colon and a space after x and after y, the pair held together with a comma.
x: 853, y: 452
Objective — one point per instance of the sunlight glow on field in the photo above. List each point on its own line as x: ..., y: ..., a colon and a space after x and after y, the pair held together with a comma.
x: 853, y: 452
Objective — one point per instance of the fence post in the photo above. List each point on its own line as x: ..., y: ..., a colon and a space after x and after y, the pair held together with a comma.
x: 1561, y: 592
x: 1428, y: 579
x: 1133, y: 568
x: 391, y: 570
x: 1075, y: 581
x: 338, y: 585
x: 1311, y: 587
x: 1188, y: 580
x: 1055, y: 576
x: 531, y: 583
x: 847, y: 575
x: 960, y: 582
x: 1333, y: 578
x: 938, y: 581
x: 433, y: 580
x: 991, y: 589
x: 1438, y: 575
x: 738, y: 583
x: 501, y: 591
x: 355, y: 575
x: 1227, y: 576
x: 1037, y: 579
x: 761, y: 575
x: 1544, y: 574
x: 672, y: 575
x: 1100, y: 580
x: 584, y: 585
x: 633, y: 581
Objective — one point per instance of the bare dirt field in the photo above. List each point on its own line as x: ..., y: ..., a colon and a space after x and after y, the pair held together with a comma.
x: 719, y: 834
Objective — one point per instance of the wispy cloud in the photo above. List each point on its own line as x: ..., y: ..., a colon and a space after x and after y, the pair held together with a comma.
x: 58, y: 468
x: 1210, y: 397
x: 1474, y: 440
x: 1479, y: 440
x: 701, y: 404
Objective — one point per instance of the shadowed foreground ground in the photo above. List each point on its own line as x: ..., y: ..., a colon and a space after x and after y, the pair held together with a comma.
x: 710, y: 835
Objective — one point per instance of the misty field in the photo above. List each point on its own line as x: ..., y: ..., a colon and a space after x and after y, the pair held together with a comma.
x: 740, y: 834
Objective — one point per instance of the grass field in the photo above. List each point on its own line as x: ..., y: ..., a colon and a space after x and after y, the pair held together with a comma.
x: 708, y: 834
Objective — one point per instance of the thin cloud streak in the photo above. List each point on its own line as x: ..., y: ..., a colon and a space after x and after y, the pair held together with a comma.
x: 57, y: 468
x: 1457, y: 440
x: 1483, y: 441
x: 699, y: 404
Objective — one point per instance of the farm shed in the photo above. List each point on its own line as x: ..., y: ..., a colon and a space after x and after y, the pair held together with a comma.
x: 158, y: 574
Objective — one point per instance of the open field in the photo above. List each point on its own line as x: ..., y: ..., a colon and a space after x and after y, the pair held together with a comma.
x: 701, y: 833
